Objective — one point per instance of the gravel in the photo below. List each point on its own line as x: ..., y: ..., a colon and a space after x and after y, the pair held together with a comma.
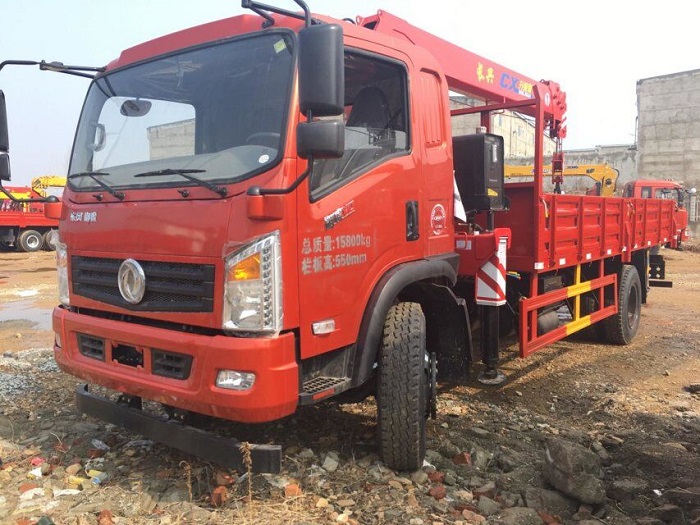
x: 13, y: 385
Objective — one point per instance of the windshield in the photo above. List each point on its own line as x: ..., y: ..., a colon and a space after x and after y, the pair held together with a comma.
x: 220, y: 110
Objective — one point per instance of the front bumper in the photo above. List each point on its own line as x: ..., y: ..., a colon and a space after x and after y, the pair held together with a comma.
x: 227, y: 452
x: 274, y: 395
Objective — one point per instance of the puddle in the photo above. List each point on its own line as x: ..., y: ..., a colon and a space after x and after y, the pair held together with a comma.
x: 26, y: 311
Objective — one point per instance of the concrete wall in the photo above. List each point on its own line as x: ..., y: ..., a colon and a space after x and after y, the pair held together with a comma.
x: 668, y: 129
x: 175, y: 139
x: 622, y: 157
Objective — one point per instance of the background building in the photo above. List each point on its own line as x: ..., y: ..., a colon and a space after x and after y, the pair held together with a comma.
x: 518, y: 131
x: 668, y: 127
x: 668, y: 131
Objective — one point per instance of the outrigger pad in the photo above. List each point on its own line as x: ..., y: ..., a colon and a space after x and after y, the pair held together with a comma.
x: 206, y: 445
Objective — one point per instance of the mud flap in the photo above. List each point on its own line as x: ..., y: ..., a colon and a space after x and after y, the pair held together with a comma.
x: 657, y: 272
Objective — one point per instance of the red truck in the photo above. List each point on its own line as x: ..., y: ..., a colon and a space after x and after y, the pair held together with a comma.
x: 260, y: 215
x: 23, y: 222
x: 664, y: 189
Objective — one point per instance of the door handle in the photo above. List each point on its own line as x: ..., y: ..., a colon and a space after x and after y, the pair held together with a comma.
x: 412, y: 233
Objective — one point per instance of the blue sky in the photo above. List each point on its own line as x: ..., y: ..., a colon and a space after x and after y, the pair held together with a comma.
x: 596, y: 50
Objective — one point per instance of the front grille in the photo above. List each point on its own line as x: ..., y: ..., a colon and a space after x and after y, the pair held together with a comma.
x: 93, y: 347
x: 170, y: 287
x: 170, y: 364
x: 164, y: 364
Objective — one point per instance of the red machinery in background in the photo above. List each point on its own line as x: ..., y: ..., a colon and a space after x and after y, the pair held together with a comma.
x: 23, y: 222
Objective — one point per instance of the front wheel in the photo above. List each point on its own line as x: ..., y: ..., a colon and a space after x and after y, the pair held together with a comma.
x: 402, y: 389
x: 621, y: 328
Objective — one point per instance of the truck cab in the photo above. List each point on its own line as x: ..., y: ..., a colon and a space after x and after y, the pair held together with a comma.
x: 229, y: 244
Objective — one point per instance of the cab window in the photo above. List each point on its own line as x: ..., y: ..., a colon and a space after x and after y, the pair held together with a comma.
x: 375, y: 120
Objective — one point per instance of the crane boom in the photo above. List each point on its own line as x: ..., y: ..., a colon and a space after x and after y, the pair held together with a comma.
x: 470, y: 74
x: 42, y: 183
x: 604, y: 175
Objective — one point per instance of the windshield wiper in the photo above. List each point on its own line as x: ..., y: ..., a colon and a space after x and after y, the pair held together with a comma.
x: 221, y: 190
x: 93, y: 175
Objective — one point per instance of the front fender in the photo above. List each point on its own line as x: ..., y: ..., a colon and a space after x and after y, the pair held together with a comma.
x: 443, y: 267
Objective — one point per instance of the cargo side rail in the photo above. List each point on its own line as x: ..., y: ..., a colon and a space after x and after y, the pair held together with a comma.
x: 531, y: 340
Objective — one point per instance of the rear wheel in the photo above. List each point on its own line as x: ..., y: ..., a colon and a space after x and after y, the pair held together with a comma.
x: 402, y: 390
x: 621, y: 328
x: 30, y: 241
x: 49, y: 241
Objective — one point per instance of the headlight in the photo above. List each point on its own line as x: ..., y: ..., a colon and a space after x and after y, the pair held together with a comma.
x: 253, y: 287
x: 62, y: 267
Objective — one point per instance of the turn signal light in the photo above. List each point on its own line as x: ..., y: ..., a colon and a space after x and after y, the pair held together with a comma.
x: 245, y: 270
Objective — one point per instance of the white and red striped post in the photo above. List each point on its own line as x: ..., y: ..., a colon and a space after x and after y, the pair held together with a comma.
x: 490, y: 295
x: 491, y: 278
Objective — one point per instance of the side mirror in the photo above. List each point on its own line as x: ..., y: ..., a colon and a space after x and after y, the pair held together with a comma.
x: 4, y: 166
x: 321, y: 139
x: 53, y: 207
x: 4, y: 141
x: 4, y: 138
x: 321, y: 70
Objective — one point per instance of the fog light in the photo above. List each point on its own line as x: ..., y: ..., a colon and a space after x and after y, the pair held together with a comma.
x: 233, y: 380
x: 59, y: 343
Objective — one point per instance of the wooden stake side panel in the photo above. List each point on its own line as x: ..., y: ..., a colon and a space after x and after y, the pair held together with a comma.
x: 566, y: 230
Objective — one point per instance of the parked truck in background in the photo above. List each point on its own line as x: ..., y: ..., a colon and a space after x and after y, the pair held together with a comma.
x: 260, y: 215
x: 665, y: 189
x: 23, y: 223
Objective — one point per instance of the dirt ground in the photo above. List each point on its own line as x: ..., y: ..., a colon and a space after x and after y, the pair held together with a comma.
x: 632, y: 406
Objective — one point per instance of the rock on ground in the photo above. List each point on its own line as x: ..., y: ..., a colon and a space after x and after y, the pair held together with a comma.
x: 518, y: 516
x: 551, y: 501
x: 574, y: 471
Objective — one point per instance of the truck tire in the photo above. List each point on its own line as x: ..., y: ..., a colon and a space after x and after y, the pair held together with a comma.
x: 402, y: 388
x: 621, y: 328
x: 49, y: 241
x: 30, y: 241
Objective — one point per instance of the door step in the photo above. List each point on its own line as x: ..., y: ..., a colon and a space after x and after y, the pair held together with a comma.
x: 322, y: 387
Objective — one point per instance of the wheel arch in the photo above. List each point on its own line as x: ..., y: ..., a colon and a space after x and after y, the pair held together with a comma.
x: 402, y: 281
